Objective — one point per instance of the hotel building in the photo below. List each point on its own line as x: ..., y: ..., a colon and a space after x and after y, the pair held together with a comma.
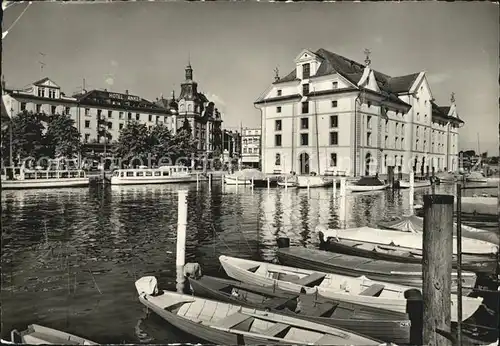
x: 334, y: 115
x: 250, y: 154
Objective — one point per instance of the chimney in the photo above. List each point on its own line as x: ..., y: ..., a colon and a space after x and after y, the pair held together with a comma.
x: 126, y: 91
x: 276, y: 75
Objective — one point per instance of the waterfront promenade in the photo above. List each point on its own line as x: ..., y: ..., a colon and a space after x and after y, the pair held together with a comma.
x: 70, y: 257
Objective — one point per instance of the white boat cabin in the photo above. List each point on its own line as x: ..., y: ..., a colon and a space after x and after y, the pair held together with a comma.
x: 53, y: 169
x: 143, y: 171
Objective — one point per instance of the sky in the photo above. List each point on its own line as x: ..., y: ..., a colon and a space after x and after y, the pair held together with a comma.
x: 234, y: 47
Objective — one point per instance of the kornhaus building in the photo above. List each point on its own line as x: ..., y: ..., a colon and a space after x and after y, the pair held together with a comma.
x: 331, y: 114
x: 250, y: 144
x: 111, y: 111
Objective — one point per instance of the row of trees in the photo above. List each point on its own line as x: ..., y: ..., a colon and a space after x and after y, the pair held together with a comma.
x: 38, y: 135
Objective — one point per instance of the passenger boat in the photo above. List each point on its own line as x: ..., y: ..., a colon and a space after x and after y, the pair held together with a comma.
x: 360, y: 290
x: 228, y: 324
x: 408, y: 240
x: 145, y: 175
x: 407, y: 274
x: 405, y: 184
x: 55, y: 175
x: 367, y: 184
x: 476, y: 177
x: 40, y: 335
x: 399, y: 254
x: 381, y: 324
x: 309, y: 181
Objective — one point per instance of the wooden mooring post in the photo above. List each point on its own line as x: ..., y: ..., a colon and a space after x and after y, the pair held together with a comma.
x: 181, y: 234
x: 437, y: 268
x: 412, y: 192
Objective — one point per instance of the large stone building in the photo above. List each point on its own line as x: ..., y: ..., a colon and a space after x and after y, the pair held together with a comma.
x: 331, y: 114
x: 99, y: 115
x: 250, y: 144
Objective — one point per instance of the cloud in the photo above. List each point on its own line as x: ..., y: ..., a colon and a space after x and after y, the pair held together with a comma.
x: 114, y: 63
x: 109, y: 80
x: 437, y: 78
x: 219, y: 102
x: 379, y: 39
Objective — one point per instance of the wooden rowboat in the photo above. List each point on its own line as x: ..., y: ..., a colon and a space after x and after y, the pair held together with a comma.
x: 407, y: 274
x: 398, y: 254
x: 313, y: 181
x: 367, y: 184
x: 228, y: 324
x: 40, y: 335
x: 360, y: 290
x: 405, y: 184
x: 381, y: 324
x: 408, y: 240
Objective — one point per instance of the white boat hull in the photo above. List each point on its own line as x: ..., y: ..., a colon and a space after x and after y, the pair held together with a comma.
x: 479, y: 205
x: 312, y: 181
x: 361, y: 188
x: 239, y: 181
x: 476, y: 180
x: 287, y: 184
x: 334, y: 286
x: 150, y: 180
x: 44, y: 183
x: 406, y: 239
x: 405, y: 184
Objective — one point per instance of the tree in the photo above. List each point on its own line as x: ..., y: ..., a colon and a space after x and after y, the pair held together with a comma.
x: 161, y: 142
x: 27, y: 137
x: 62, y: 137
x: 185, y: 145
x: 133, y: 142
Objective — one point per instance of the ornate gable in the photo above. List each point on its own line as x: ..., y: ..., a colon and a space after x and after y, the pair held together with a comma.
x: 46, y: 82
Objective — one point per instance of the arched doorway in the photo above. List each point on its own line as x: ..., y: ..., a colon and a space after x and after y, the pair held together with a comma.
x: 368, y: 162
x: 304, y: 163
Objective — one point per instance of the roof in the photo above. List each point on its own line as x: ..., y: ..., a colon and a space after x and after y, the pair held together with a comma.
x: 442, y: 112
x: 331, y: 62
x: 279, y: 98
x: 41, y: 81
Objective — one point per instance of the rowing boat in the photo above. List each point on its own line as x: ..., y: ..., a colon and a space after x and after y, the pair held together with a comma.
x: 228, y: 324
x: 360, y: 290
x: 40, y: 335
x: 407, y: 274
x: 405, y: 184
x: 367, y: 184
x: 381, y: 324
x: 394, y: 253
x: 408, y: 240
x: 312, y: 181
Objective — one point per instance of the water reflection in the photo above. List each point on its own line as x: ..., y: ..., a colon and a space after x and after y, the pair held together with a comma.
x: 70, y: 257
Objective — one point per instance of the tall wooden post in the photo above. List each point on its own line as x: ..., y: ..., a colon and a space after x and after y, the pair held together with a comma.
x: 437, y: 268
x: 181, y: 238
x: 412, y: 192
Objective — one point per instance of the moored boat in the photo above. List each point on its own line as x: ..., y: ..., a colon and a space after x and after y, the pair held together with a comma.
x: 40, y: 335
x: 476, y: 177
x: 234, y: 180
x: 408, y: 240
x: 446, y: 177
x: 360, y: 290
x: 407, y: 274
x: 145, y: 175
x: 405, y: 184
x: 310, y: 181
x: 381, y: 324
x: 228, y: 324
x: 367, y: 184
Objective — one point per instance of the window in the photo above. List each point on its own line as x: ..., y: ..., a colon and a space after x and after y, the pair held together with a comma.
x: 41, y: 92
x: 38, y: 108
x: 304, y: 139
x: 120, y: 126
x: 278, y: 92
x: 110, y: 125
x: 110, y: 114
x: 68, y: 110
x: 23, y: 106
x: 52, y: 93
x: 137, y: 116
x: 87, y: 137
x: 129, y: 116
x: 157, y: 174
x: 402, y: 129
x: 277, y: 160
x: 244, y: 150
x: 386, y: 141
x: 304, y: 123
x: 387, y: 126
x: 120, y: 115
x: 369, y: 139
x: 417, y: 131
x: 99, y: 112
x: 87, y: 111
x: 149, y: 174
x: 305, y: 89
x: 278, y: 109
x: 368, y: 122
x: 333, y: 160
x: 418, y: 116
x: 139, y: 174
x: 306, y: 71
x: 277, y: 140
x: 385, y: 160
x: 396, y: 141
x: 334, y: 121
x: 305, y: 107
x: 87, y: 124
x: 416, y: 144
x: 277, y: 125
x: 335, y: 85
x: 334, y: 138
x: 53, y: 109
x: 334, y: 104
x: 150, y: 117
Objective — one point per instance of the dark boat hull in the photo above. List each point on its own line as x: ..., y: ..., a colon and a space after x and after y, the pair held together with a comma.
x: 263, y: 183
x: 380, y: 324
x: 477, y: 265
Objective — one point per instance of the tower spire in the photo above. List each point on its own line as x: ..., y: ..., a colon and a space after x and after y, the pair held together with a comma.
x: 452, y: 98
x: 367, y: 59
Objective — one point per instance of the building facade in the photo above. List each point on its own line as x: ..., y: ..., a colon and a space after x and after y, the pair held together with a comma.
x: 334, y: 115
x: 231, y: 144
x: 250, y: 147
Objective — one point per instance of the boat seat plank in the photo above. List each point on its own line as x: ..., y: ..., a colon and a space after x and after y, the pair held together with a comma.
x: 309, y: 279
x: 231, y: 320
x: 276, y: 302
x: 372, y: 290
x: 323, y: 309
x: 328, y: 339
x: 276, y: 329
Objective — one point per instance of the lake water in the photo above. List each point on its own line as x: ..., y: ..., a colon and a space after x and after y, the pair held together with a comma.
x: 70, y: 257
